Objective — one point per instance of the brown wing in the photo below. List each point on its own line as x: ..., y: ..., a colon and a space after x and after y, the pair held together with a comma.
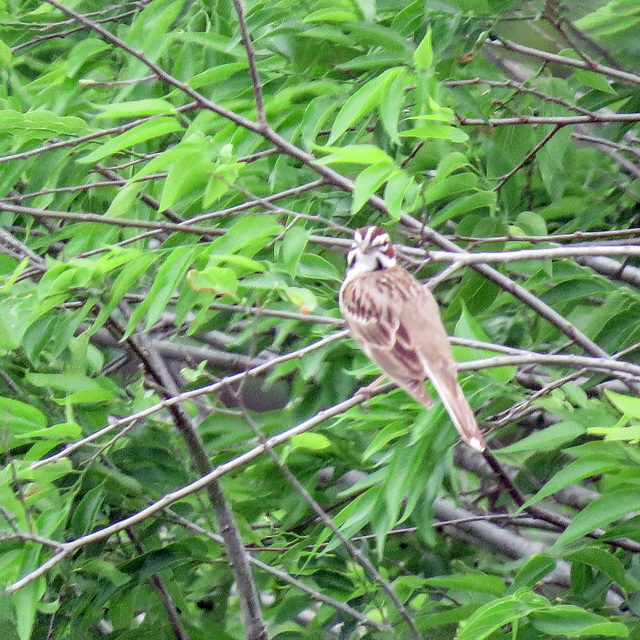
x: 372, y: 306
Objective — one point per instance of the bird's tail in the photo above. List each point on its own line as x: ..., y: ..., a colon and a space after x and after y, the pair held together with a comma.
x: 459, y: 410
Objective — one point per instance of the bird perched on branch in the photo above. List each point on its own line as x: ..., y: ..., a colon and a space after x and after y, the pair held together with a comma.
x: 397, y: 323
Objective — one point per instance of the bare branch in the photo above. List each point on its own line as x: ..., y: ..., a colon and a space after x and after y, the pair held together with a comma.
x: 528, y: 158
x: 253, y: 70
x: 623, y: 76
x: 68, y: 548
x: 557, y: 120
x: 551, y: 253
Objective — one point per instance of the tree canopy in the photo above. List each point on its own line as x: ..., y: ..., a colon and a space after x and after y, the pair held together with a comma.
x: 187, y: 452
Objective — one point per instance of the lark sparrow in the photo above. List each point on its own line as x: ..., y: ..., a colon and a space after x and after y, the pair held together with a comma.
x: 397, y: 323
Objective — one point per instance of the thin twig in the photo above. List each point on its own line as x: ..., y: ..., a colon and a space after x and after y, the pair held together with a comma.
x: 528, y: 158
x: 557, y: 120
x: 253, y: 70
x: 623, y: 76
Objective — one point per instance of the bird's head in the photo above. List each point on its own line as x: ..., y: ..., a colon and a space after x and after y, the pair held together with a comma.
x: 371, y: 250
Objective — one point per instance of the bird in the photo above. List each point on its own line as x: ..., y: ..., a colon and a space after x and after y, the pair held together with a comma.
x: 396, y: 321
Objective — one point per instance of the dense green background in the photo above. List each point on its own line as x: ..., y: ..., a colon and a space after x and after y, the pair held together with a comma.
x: 386, y: 112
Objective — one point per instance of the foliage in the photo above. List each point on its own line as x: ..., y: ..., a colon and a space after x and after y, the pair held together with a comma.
x: 171, y: 220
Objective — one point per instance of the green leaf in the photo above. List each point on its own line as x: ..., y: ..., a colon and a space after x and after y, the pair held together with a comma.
x: 384, y: 436
x: 532, y: 223
x: 423, y: 55
x: 20, y: 417
x: 304, y: 299
x: 84, y: 518
x: 188, y: 173
x: 449, y: 186
x: 84, y: 50
x: 437, y: 131
x: 602, y: 511
x: 311, y: 441
x: 578, y: 470
x: 355, y: 154
x: 468, y: 327
x: 390, y: 104
x: 368, y: 182
x: 249, y: 231
x: 607, y: 563
x: 292, y: 247
x: 313, y: 266
x: 16, y: 313
x: 394, y: 193
x: 167, y: 280
x: 136, y: 108
x: 218, y: 280
x: 56, y: 432
x: 106, y: 570
x: 217, y: 74
x: 67, y: 382
x: 87, y: 396
x: 141, y: 133
x: 5, y: 54
x: 575, y: 622
x: 470, y: 581
x: 533, y: 570
x: 122, y: 284
x: 330, y: 15
x: 495, y: 614
x: 361, y: 103
x: 549, y: 438
x: 463, y: 205
x: 629, y: 405
x: 26, y: 600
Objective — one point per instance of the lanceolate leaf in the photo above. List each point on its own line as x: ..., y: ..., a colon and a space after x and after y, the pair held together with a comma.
x: 368, y: 182
x: 361, y: 103
x: 574, y: 472
x: 602, y: 511
x: 141, y: 133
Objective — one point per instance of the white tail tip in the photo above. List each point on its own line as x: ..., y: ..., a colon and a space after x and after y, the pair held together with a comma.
x: 474, y: 443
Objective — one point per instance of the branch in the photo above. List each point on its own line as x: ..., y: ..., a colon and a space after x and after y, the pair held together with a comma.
x: 155, y: 367
x: 92, y: 136
x: 557, y: 120
x: 528, y: 158
x: 158, y: 585
x: 623, y: 76
x: 253, y: 71
x: 518, y: 87
x: 609, y: 365
x: 550, y: 253
x: 186, y: 395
